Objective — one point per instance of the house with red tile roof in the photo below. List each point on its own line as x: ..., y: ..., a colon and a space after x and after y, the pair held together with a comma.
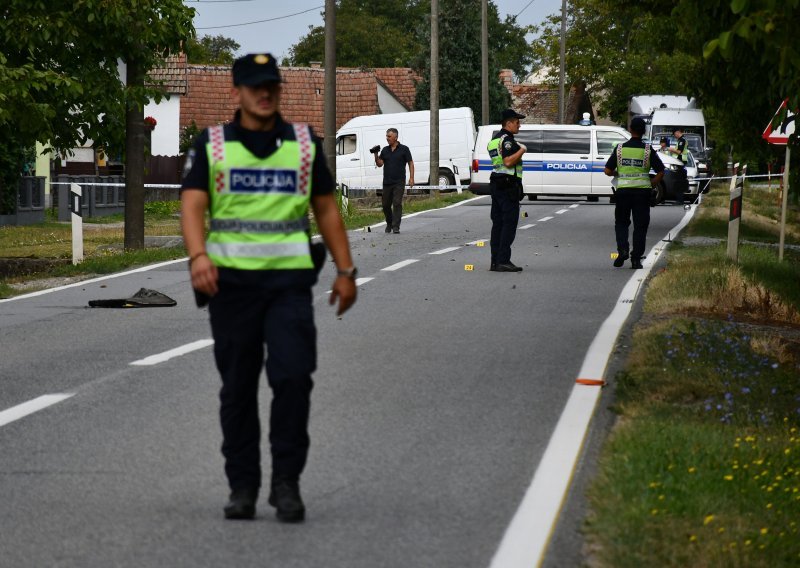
x: 539, y: 102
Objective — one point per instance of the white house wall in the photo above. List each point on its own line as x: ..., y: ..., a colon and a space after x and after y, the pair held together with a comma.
x: 388, y: 103
x: 164, y: 139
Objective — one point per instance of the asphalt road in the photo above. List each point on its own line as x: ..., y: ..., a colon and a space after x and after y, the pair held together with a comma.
x: 435, y: 398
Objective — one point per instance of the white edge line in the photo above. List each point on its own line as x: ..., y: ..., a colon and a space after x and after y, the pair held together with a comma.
x: 93, y: 280
x: 544, y: 219
x: 34, y: 405
x: 177, y: 352
x: 573, y: 206
x: 445, y: 250
x: 525, y: 541
x: 399, y: 265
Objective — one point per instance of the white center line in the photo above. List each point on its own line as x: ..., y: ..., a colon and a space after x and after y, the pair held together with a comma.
x: 472, y: 243
x: 560, y: 211
x: 445, y: 250
x: 22, y: 410
x: 544, y: 219
x: 528, y: 226
x: 574, y: 206
x: 177, y: 352
x: 400, y: 265
x: 360, y: 281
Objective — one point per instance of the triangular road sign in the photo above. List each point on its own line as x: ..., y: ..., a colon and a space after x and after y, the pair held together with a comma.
x: 781, y: 134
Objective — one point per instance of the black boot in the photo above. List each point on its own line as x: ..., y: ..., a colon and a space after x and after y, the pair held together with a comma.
x: 242, y: 504
x: 622, y: 256
x: 285, y: 497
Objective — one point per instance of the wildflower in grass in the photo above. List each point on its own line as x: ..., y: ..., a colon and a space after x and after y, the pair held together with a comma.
x: 692, y: 538
x: 721, y: 530
x: 728, y: 478
x: 691, y: 470
x: 708, y: 519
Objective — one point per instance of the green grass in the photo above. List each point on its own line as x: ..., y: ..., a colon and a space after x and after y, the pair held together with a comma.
x: 703, y: 466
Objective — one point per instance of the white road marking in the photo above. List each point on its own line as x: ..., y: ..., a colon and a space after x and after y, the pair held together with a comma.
x: 400, y: 265
x: 560, y: 211
x: 445, y: 250
x: 574, y: 206
x: 528, y: 226
x: 545, y: 219
x: 360, y: 281
x: 525, y: 541
x: 22, y: 410
x: 471, y: 243
x: 177, y: 352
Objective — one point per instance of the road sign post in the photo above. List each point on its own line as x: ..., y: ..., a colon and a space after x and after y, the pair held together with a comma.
x: 735, y: 212
x: 75, y: 193
x: 780, y: 135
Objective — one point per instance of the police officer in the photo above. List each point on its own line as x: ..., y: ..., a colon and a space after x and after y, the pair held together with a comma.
x: 505, y: 184
x: 682, y: 152
x: 631, y: 162
x: 257, y: 177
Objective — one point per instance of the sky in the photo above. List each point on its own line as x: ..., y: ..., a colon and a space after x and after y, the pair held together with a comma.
x: 282, y: 24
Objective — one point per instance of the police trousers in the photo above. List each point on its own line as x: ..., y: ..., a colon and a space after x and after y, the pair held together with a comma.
x: 505, y: 216
x: 632, y: 202
x: 243, y: 321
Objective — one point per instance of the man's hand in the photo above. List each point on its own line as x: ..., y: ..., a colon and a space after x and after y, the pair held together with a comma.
x: 344, y: 289
x: 524, y: 148
x: 204, y: 275
x: 411, y: 181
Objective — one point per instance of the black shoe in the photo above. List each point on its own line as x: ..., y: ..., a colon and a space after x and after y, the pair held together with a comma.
x: 507, y: 267
x: 395, y: 231
x: 285, y: 497
x: 388, y: 229
x: 636, y: 263
x: 493, y: 267
x: 622, y: 256
x: 242, y: 504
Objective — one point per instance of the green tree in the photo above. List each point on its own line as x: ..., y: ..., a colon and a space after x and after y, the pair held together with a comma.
x: 59, y: 75
x: 211, y: 50
x: 459, y: 60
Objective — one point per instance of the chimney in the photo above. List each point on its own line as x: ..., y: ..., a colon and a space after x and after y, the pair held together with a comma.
x: 316, y: 64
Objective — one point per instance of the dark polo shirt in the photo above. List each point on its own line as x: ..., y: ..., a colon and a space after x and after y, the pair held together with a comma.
x: 394, y: 164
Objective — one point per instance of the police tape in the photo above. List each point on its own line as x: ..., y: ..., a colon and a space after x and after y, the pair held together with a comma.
x: 719, y: 178
x: 409, y: 188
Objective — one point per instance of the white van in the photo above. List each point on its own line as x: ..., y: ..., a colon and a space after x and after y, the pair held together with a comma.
x: 664, y: 121
x: 355, y: 165
x: 562, y: 159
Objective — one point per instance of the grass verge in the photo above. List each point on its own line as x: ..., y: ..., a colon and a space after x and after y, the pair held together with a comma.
x: 703, y: 465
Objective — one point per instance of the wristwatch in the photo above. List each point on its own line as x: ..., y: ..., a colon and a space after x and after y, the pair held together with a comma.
x: 348, y: 272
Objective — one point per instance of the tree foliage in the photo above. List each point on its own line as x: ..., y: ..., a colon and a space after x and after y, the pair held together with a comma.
x: 395, y: 33
x: 211, y: 50
x: 460, y: 60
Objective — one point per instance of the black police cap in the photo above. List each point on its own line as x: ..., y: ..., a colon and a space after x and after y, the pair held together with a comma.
x: 510, y: 114
x: 255, y: 69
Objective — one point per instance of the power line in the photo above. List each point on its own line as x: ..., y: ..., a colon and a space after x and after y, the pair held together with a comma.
x: 260, y: 21
x: 525, y: 8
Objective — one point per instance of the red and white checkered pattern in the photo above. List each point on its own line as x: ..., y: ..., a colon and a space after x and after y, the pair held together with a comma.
x: 303, y: 136
x: 216, y: 136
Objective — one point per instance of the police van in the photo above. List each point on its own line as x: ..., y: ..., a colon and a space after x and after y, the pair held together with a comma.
x: 562, y: 159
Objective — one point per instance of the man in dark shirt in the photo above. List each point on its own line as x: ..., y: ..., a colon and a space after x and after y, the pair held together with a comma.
x: 633, y: 192
x: 679, y: 150
x: 394, y: 157
x: 255, y: 268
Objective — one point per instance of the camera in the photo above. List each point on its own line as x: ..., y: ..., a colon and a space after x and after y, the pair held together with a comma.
x: 375, y: 149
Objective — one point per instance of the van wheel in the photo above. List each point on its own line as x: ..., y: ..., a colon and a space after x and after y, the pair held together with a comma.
x: 592, y: 198
x: 446, y: 177
x: 532, y: 197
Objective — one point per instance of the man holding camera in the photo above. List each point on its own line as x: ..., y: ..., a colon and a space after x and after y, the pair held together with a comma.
x: 395, y: 156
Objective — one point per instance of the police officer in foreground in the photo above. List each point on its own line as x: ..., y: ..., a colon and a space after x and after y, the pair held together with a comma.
x: 257, y: 177
x: 631, y: 162
x: 505, y: 185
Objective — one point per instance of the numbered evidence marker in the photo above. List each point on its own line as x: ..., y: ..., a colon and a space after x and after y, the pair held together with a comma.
x: 614, y: 255
x: 469, y: 267
x: 480, y: 244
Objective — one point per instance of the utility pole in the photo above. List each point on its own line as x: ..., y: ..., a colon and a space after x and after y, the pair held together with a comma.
x: 134, y: 162
x: 484, y: 61
x: 434, y: 157
x: 561, y: 73
x: 329, y: 125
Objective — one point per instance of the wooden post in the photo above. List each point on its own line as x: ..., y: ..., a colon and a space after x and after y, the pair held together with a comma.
x: 75, y: 194
x: 784, y: 201
x: 735, y: 213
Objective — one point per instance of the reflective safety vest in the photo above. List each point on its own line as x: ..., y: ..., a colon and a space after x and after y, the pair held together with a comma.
x: 633, y: 167
x: 685, y: 152
x: 259, y: 206
x: 496, y: 155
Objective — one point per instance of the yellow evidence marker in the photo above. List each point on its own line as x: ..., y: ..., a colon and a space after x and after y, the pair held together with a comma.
x: 469, y: 267
x: 614, y: 255
x: 480, y: 243
x: 524, y: 213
